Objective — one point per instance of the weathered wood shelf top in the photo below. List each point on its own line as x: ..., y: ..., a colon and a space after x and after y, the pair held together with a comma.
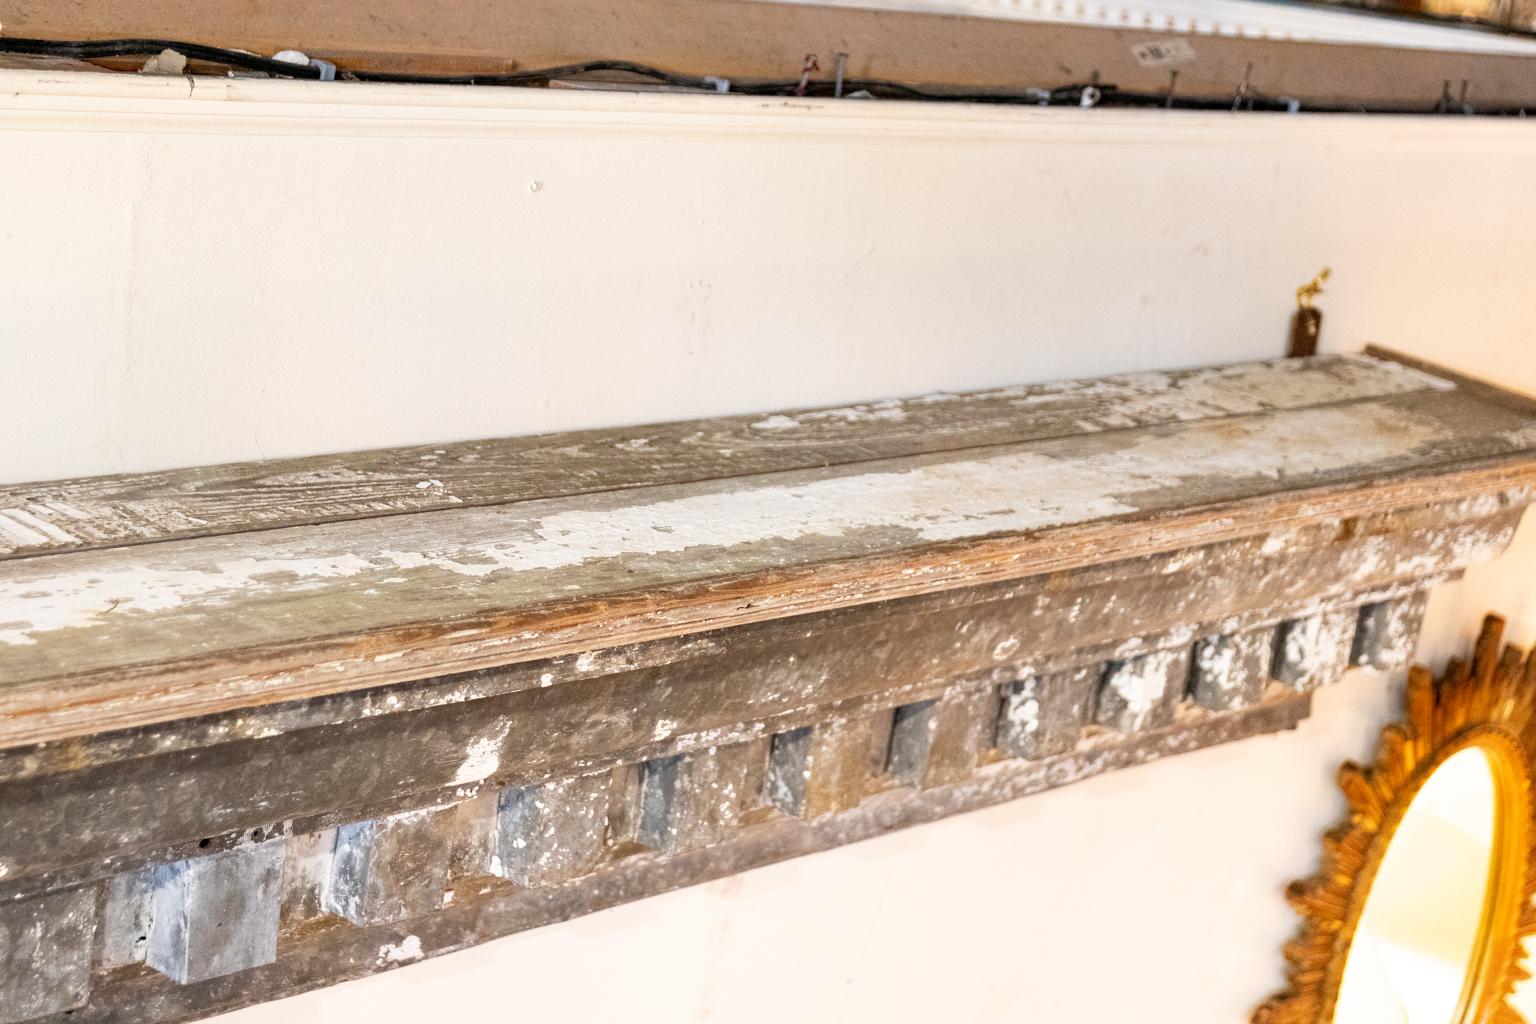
x: 271, y: 726
x: 131, y: 600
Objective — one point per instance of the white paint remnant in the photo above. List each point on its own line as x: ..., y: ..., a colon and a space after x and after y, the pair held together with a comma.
x: 890, y: 411
x: 404, y: 952
x: 40, y: 524
x: 664, y: 728
x: 1139, y: 399
x: 1275, y: 543
x: 1216, y: 660
x: 1316, y: 648
x: 1021, y: 710
x: 63, y: 507
x: 932, y: 500
x: 1141, y: 685
x: 19, y: 533
x: 1005, y: 648
x: 481, y: 759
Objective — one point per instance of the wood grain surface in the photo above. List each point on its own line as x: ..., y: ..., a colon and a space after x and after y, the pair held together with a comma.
x: 111, y: 511
x: 768, y: 41
x: 576, y: 544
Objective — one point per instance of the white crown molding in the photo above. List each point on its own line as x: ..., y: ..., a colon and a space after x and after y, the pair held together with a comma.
x: 123, y: 103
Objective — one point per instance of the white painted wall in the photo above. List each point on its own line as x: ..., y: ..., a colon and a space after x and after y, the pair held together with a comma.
x: 266, y: 269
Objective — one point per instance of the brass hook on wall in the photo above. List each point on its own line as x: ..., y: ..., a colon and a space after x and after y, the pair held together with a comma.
x: 1307, y: 323
x: 1312, y: 289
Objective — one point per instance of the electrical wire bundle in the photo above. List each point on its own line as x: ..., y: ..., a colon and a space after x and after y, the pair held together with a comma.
x: 1076, y: 95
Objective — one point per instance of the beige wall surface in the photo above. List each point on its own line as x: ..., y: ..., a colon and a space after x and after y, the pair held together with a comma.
x: 202, y: 273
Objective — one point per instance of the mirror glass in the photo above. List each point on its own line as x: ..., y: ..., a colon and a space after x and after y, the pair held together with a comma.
x: 1419, y: 933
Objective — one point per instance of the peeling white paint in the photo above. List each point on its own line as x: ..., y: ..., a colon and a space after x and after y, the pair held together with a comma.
x: 19, y: 533
x: 38, y: 523
x: 481, y: 759
x: 1021, y: 710
x: 932, y: 500
x: 405, y: 951
x: 1141, y: 685
x: 1315, y: 649
x: 1216, y: 661
x: 890, y: 411
x: 1140, y: 399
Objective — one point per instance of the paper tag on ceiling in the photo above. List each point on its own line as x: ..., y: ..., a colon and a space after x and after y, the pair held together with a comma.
x: 1164, y: 53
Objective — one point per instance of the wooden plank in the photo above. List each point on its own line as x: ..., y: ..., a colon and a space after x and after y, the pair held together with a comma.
x: 108, y: 639
x: 745, y: 40
x: 1289, y: 569
x: 741, y: 683
x: 797, y: 632
x: 22, y: 62
x: 1496, y: 394
x: 111, y: 511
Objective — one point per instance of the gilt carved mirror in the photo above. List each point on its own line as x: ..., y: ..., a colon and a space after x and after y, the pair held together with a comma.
x: 1422, y: 903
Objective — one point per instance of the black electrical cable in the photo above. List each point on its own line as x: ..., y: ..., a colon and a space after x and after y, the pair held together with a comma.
x: 107, y: 48
x: 1069, y: 95
x: 541, y: 75
x: 104, y: 48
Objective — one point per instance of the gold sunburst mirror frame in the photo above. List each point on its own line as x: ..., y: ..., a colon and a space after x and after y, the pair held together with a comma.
x: 1487, y: 705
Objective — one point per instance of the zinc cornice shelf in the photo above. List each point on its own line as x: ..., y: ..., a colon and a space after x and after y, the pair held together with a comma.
x: 261, y: 721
